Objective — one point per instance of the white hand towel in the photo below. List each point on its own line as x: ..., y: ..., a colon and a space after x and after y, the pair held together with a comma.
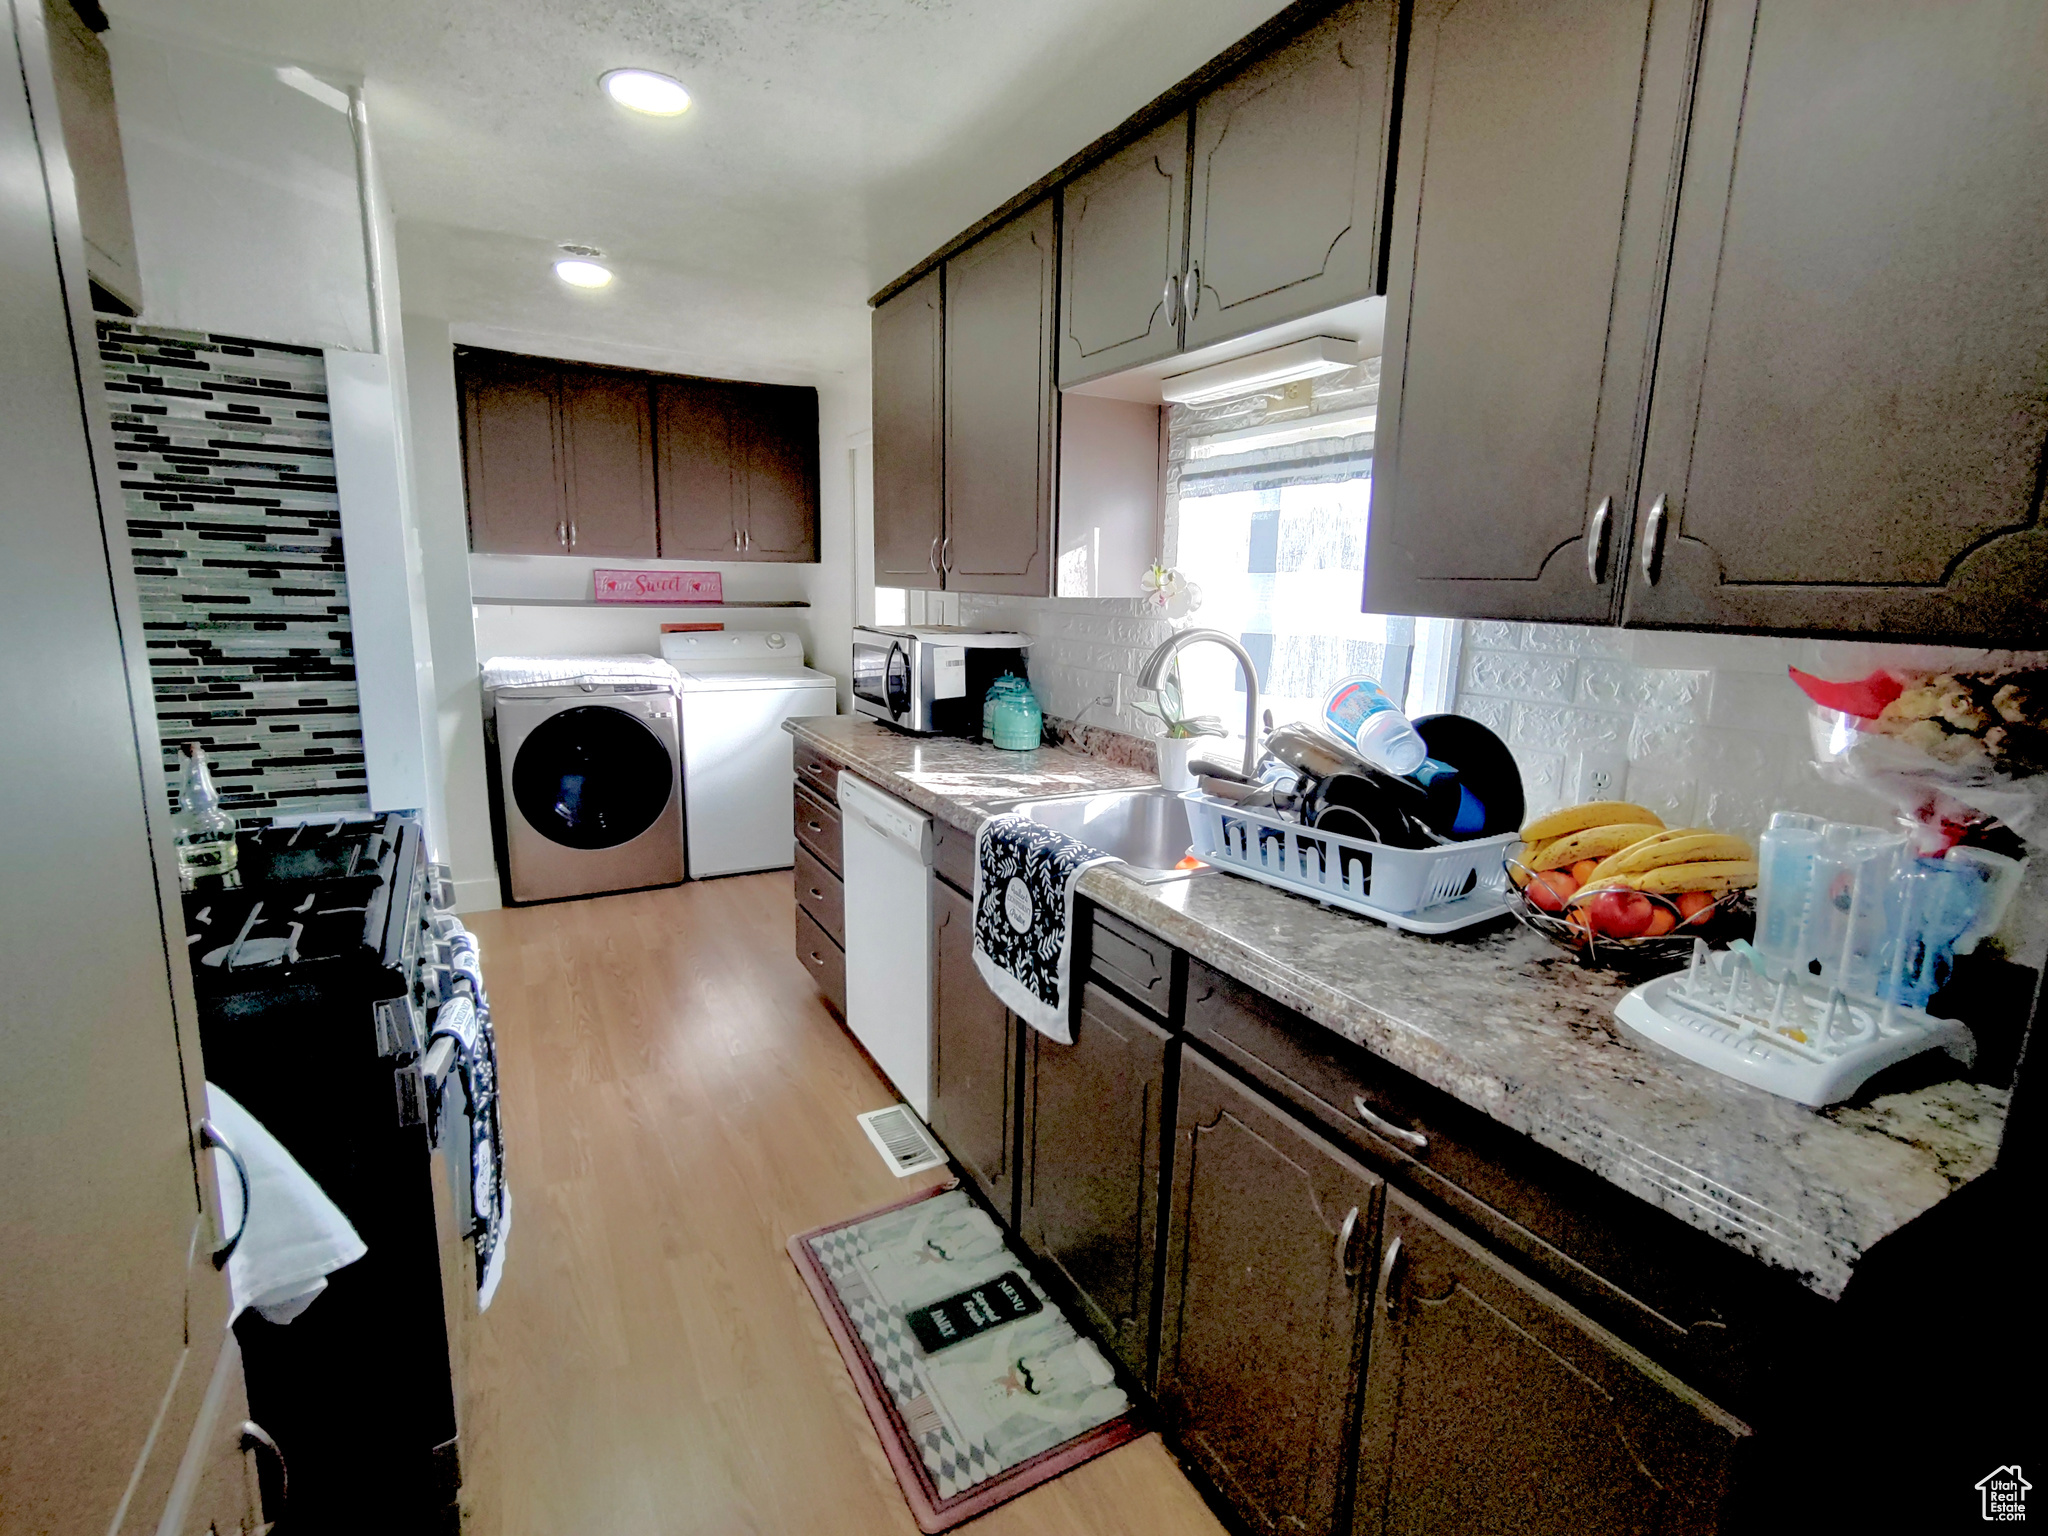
x: 295, y: 1238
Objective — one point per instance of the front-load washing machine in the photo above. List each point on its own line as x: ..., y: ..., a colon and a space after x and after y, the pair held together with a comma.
x: 592, y: 784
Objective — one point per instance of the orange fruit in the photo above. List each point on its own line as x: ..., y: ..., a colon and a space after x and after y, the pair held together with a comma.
x: 1583, y: 870
x: 1662, y: 921
x: 1695, y: 906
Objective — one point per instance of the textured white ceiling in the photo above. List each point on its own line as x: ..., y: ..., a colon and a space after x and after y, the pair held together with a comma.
x: 832, y: 144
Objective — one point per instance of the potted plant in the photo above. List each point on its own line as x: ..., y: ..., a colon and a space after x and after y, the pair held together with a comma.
x: 1183, y: 730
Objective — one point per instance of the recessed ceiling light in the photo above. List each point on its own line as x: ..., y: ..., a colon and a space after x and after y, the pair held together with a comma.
x: 645, y: 91
x: 578, y: 273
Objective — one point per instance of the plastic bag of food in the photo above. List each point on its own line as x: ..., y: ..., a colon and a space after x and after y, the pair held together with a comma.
x: 1953, y: 749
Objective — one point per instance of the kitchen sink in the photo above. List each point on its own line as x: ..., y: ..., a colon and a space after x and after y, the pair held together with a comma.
x: 1146, y: 828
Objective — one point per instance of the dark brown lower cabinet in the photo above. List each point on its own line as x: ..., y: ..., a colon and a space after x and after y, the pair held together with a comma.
x: 1089, y: 1172
x: 1491, y: 1405
x: 974, y: 1058
x: 1264, y: 1309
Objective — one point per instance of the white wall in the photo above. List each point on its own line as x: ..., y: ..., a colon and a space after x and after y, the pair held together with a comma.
x: 444, y: 551
x: 248, y: 220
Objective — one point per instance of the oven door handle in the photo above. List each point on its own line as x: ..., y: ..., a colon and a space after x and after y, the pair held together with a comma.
x: 212, y: 1136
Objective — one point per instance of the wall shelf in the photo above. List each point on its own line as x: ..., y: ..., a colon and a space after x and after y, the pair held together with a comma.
x: 590, y: 602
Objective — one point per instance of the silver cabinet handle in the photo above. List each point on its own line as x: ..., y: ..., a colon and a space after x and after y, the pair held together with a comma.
x: 1415, y: 1141
x: 735, y: 538
x: 572, y: 535
x: 1345, y: 1233
x: 255, y: 1437
x: 1387, y: 1268
x: 946, y: 553
x: 562, y: 534
x: 747, y: 540
x: 1596, y: 541
x: 1653, y: 541
x: 1172, y: 292
x: 210, y: 1135
x: 935, y: 556
x: 1191, y: 291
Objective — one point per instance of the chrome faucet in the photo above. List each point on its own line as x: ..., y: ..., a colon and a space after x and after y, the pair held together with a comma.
x: 1153, y: 674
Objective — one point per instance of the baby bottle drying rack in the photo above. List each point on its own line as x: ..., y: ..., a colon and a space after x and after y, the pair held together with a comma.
x: 1817, y: 1045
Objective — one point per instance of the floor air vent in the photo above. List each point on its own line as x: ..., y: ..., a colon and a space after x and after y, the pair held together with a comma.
x: 906, y: 1146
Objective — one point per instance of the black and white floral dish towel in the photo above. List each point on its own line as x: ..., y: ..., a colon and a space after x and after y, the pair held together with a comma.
x: 1024, y: 879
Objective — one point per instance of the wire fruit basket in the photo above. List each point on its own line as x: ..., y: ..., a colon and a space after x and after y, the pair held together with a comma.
x: 1731, y: 917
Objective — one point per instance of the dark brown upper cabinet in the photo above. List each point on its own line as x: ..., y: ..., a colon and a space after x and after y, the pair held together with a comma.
x: 910, y: 450
x: 1491, y: 1405
x: 1002, y: 412
x: 512, y: 455
x: 608, y: 462
x: 775, y: 445
x: 1267, y: 1271
x: 694, y: 470
x: 974, y: 1057
x: 1535, y: 175
x: 1124, y: 244
x: 1289, y: 169
x: 1851, y: 401
x: 1090, y: 1172
x: 568, y: 459
x: 736, y: 468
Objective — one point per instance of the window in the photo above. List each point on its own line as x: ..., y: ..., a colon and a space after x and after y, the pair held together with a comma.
x: 1271, y: 495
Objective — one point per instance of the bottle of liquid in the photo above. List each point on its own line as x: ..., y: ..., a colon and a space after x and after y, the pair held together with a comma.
x: 202, y: 833
x: 1002, y: 688
x: 1359, y: 711
x: 1785, y: 877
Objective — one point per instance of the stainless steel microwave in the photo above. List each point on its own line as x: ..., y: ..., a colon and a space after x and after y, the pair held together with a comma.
x: 931, y: 679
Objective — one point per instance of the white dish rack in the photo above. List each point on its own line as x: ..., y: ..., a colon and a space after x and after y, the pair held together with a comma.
x: 1813, y: 1044
x: 1424, y: 890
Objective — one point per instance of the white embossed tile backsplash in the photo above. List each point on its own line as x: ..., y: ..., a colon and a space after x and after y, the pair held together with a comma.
x: 1715, y: 732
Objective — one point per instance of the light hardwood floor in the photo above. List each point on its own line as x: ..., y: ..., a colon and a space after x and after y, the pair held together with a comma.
x: 678, y: 1101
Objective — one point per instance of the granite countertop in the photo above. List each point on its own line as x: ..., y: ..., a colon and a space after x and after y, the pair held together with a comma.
x: 1510, y: 1025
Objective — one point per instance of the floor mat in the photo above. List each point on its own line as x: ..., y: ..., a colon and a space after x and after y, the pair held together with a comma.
x: 977, y: 1422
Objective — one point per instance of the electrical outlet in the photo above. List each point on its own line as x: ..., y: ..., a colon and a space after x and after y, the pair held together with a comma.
x: 1121, y: 700
x: 1597, y: 773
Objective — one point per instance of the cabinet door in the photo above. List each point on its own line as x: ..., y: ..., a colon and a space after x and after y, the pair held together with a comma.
x: 694, y: 479
x: 100, y: 1202
x: 1263, y: 1314
x: 1537, y: 145
x: 512, y: 457
x: 1089, y: 1179
x: 1490, y: 1405
x: 974, y: 1058
x: 608, y: 454
x: 909, y: 415
x: 1001, y: 410
x: 776, y: 442
x: 1289, y: 171
x: 1852, y: 391
x: 1123, y: 229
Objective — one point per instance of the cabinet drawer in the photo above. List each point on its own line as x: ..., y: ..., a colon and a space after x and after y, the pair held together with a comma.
x: 825, y: 960
x: 953, y: 856
x: 1658, y: 1282
x: 820, y: 893
x: 1136, y: 963
x: 817, y: 826
x: 816, y: 772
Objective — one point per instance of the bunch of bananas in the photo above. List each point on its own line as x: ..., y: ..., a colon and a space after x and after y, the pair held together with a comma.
x: 1569, y: 856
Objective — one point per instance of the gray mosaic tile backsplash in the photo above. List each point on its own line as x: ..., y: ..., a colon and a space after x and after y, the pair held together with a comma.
x: 226, y: 464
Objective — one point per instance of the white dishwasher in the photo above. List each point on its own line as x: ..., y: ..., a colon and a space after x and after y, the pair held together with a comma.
x: 886, y: 847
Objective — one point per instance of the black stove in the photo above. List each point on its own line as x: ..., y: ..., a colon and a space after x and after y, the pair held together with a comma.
x: 316, y: 978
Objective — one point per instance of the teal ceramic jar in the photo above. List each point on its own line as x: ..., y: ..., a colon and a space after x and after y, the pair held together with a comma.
x: 1014, y: 720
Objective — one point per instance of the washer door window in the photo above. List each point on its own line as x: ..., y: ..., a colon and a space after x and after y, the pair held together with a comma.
x: 592, y: 777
